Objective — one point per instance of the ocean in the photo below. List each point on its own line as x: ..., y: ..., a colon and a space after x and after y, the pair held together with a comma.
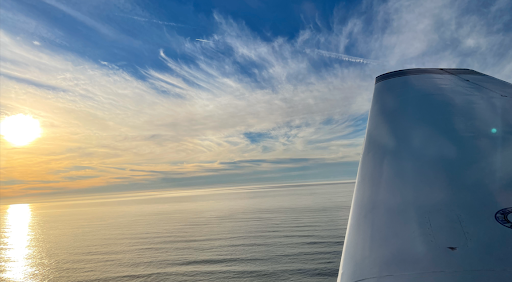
x: 267, y: 233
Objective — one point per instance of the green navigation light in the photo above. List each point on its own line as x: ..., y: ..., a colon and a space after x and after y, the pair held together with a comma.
x: 494, y: 130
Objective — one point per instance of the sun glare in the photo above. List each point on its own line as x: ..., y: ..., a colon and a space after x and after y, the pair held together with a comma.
x: 20, y: 129
x: 16, y: 241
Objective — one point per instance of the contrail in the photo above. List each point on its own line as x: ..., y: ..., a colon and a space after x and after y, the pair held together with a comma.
x: 202, y: 40
x: 341, y: 56
x: 155, y: 21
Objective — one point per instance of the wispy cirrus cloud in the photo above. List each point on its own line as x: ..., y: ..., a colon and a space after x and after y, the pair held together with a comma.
x: 240, y: 105
x: 105, y: 29
x: 150, y: 20
x: 341, y: 56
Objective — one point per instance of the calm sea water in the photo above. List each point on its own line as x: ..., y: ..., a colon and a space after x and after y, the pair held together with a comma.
x: 280, y: 233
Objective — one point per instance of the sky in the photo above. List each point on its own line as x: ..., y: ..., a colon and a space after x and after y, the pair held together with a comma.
x: 149, y: 95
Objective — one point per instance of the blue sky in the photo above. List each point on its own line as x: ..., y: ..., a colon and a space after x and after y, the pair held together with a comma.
x: 137, y: 95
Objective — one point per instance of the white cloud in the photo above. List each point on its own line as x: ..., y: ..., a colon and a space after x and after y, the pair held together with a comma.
x: 79, y: 16
x: 341, y: 56
x: 191, y: 117
x: 149, y: 20
x: 94, y: 114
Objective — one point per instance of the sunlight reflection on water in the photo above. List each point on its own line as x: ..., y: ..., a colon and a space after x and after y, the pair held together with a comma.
x: 16, y: 240
x: 285, y: 233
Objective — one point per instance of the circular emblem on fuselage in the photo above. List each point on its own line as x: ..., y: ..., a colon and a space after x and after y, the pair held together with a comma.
x: 503, y: 217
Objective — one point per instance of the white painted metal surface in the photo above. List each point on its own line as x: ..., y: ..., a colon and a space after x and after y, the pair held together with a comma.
x: 434, y: 182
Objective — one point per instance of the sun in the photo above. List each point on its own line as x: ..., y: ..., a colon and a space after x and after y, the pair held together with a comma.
x: 20, y: 129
